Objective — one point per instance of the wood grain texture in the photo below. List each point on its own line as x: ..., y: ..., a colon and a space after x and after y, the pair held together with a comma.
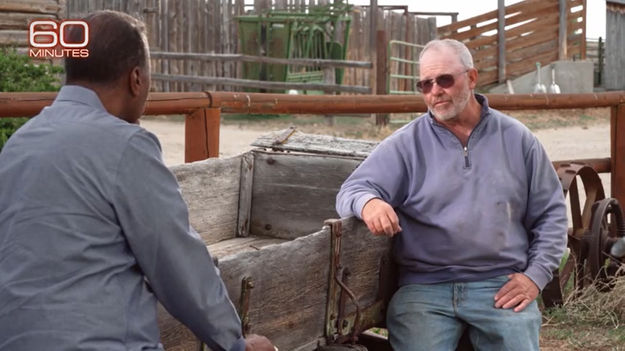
x: 36, y: 7
x: 287, y: 303
x: 211, y: 191
x: 294, y: 194
x: 245, y: 194
x: 317, y: 144
x: 238, y: 245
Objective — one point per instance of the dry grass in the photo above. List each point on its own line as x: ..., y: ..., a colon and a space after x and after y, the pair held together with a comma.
x: 588, y: 320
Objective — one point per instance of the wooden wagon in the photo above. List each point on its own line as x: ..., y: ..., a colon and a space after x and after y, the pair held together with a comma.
x: 300, y: 279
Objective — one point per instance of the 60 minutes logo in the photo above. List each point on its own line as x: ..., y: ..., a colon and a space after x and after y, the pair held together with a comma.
x: 47, y: 39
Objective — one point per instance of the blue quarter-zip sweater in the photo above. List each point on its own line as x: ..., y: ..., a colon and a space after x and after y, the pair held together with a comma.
x: 468, y: 213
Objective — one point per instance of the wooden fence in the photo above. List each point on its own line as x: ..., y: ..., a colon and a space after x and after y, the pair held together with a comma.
x: 200, y: 26
x: 16, y: 14
x: 531, y: 32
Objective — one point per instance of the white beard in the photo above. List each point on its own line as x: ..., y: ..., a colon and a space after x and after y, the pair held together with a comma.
x: 458, y: 105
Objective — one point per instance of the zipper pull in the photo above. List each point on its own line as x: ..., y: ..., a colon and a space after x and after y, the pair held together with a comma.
x: 466, y: 156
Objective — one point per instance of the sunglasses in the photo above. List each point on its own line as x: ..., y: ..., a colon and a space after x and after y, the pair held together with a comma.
x: 444, y: 81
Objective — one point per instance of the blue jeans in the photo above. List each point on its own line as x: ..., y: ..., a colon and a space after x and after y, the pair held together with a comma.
x: 432, y: 317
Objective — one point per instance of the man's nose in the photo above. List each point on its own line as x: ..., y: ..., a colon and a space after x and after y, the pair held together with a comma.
x: 436, y: 89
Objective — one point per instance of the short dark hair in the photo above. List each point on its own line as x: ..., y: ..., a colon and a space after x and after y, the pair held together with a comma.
x: 116, y: 46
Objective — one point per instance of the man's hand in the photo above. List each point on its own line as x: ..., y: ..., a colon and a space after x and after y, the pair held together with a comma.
x: 255, y: 342
x: 380, y: 217
x: 518, y: 292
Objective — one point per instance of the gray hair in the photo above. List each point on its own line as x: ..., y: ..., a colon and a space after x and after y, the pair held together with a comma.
x: 458, y: 47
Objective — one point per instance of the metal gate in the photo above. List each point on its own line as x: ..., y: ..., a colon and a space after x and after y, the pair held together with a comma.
x: 403, y: 70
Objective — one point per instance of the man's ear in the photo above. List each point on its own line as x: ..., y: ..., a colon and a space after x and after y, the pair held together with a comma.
x: 136, y: 81
x: 472, y: 74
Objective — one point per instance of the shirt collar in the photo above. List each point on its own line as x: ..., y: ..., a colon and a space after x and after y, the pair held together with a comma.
x: 81, y: 95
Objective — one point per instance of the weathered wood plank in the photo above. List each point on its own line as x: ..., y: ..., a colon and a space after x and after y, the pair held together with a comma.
x: 14, y: 37
x: 287, y: 303
x: 238, y: 245
x: 318, y: 144
x: 211, y: 190
x: 518, y: 7
x: 32, y: 6
x: 245, y: 194
x: 536, y: 11
x: 20, y: 20
x: 294, y: 193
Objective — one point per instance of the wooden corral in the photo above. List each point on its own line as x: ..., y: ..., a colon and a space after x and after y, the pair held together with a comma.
x: 198, y: 26
x: 533, y: 31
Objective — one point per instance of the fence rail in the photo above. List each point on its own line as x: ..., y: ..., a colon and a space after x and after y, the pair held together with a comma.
x: 327, y: 65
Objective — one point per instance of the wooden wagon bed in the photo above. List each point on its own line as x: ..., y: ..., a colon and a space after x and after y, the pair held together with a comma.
x: 262, y: 215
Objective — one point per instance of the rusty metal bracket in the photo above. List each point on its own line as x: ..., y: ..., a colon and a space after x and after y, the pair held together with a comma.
x: 244, y: 303
x: 346, y: 324
x: 343, y: 326
x: 332, y: 312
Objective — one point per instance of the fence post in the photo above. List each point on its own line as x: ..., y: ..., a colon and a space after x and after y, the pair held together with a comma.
x: 617, y: 152
x: 329, y: 77
x: 373, y: 26
x: 201, y: 134
x: 381, y: 74
x: 501, y: 40
x: 562, y: 31
x: 600, y: 59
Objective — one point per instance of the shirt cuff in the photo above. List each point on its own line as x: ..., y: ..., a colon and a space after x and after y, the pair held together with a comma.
x: 538, y: 276
x: 239, y: 345
x: 361, y: 202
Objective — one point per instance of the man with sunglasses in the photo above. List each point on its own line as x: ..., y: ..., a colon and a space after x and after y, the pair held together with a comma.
x: 476, y: 213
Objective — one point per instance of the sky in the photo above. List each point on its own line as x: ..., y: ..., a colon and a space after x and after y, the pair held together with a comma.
x: 595, y: 10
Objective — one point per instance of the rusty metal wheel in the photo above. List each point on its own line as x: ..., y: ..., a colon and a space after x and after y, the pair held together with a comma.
x: 573, y: 275
x: 607, y: 226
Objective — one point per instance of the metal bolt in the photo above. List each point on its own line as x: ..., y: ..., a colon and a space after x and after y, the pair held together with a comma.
x: 268, y: 227
x: 271, y: 161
